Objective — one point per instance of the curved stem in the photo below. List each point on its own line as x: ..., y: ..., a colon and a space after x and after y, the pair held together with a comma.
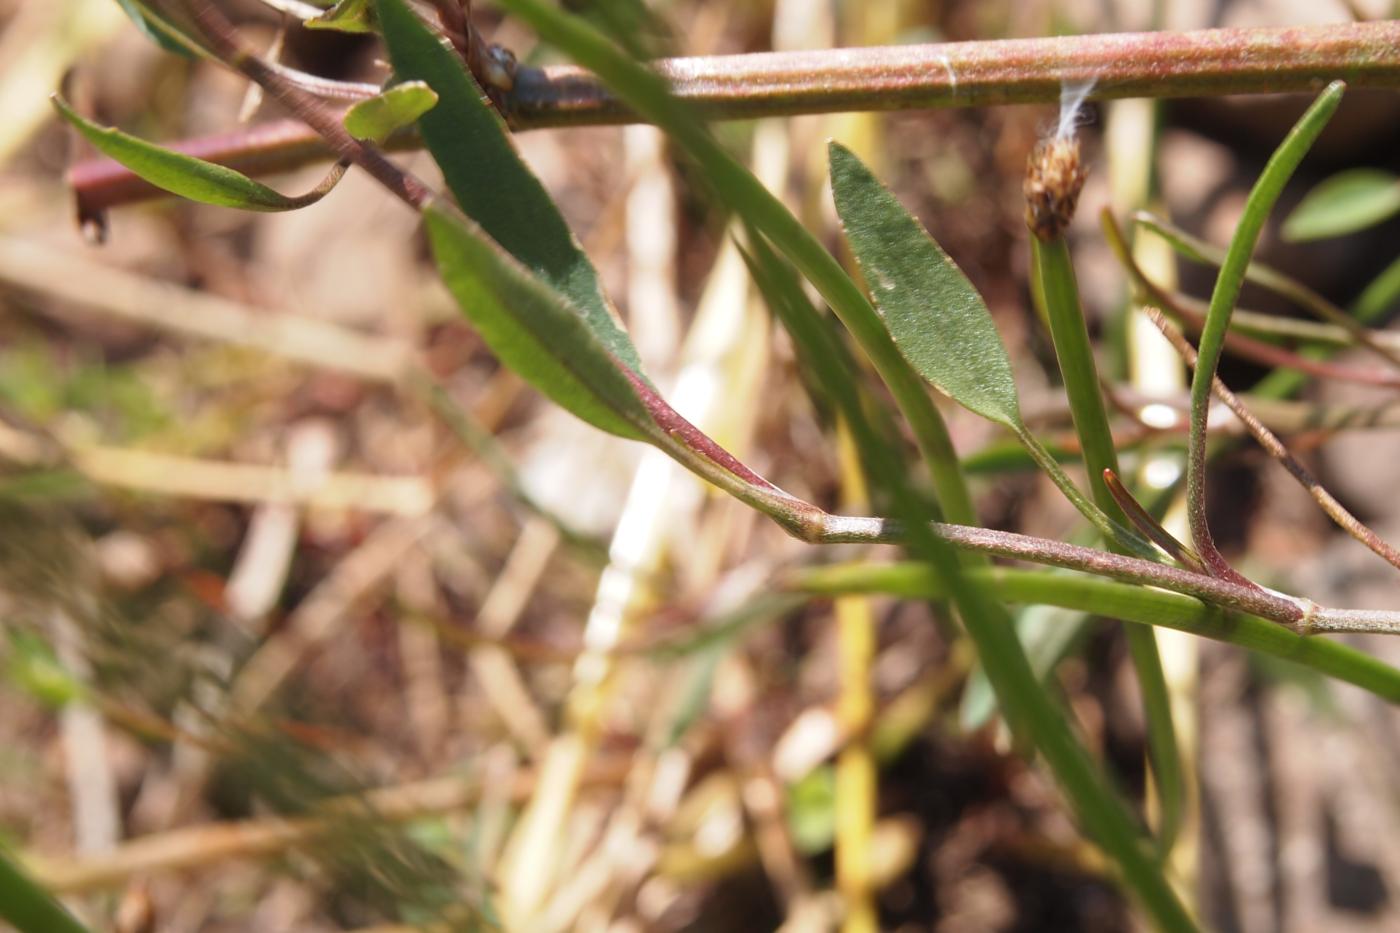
x: 1222, y: 304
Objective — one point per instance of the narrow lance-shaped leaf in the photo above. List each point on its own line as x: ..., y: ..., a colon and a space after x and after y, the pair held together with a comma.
x: 1222, y: 305
x: 937, y: 319
x: 486, y: 175
x: 1345, y: 203
x: 389, y: 111
x: 189, y: 177
x: 533, y: 329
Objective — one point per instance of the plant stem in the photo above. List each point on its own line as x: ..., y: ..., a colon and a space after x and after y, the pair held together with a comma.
x: 1192, y: 313
x: 225, y: 44
x: 1070, y: 334
x: 1377, y: 298
x: 1280, y: 284
x: 1270, y: 442
x: 984, y: 73
x: 1222, y: 304
x: 1077, y: 366
x: 1125, y: 601
x: 1112, y: 530
x: 961, y: 74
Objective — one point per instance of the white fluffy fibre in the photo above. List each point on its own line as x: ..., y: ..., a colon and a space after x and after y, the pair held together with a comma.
x: 1073, y: 94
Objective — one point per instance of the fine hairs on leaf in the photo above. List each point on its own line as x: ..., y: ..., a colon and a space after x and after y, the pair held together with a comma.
x: 938, y: 320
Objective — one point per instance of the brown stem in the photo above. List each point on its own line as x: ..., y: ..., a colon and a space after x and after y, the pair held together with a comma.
x: 1147, y: 523
x: 959, y: 74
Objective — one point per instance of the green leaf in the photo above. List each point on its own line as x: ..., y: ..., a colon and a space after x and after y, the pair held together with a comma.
x: 533, y: 329
x: 33, y: 667
x: 163, y: 28
x: 937, y: 319
x: 187, y: 176
x: 346, y: 16
x: 486, y: 175
x: 1345, y: 203
x: 28, y: 907
x: 1228, y: 284
x: 389, y: 111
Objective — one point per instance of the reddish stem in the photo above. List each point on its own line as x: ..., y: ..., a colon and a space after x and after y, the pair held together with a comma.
x: 957, y: 74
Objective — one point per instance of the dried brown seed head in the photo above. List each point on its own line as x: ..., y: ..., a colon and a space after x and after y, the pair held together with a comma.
x: 1054, y: 178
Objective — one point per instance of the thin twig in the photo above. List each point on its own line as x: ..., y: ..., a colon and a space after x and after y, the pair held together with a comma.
x: 1188, y: 311
x: 1270, y: 442
x: 1268, y: 277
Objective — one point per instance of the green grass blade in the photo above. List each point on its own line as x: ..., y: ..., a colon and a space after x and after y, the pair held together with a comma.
x: 1060, y: 291
x: 532, y: 328
x: 486, y: 175
x: 647, y: 93
x: 1345, y: 203
x: 1121, y: 601
x: 187, y: 176
x: 28, y: 907
x: 389, y: 111
x: 1227, y: 289
x: 824, y: 359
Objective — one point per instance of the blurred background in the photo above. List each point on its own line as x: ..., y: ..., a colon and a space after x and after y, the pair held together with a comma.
x: 315, y: 618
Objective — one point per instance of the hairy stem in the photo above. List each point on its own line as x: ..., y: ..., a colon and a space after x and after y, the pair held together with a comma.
x: 960, y: 74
